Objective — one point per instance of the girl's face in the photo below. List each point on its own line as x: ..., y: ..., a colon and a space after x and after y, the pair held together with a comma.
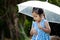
x: 36, y: 17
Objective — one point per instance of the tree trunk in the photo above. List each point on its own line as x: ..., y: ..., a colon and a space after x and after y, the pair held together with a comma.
x: 11, y: 18
x: 14, y: 30
x: 12, y: 22
x: 2, y: 35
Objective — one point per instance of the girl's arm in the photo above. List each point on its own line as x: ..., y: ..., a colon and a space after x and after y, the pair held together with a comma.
x: 31, y: 33
x: 47, y: 29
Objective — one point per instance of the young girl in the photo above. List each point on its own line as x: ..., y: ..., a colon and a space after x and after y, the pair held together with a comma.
x: 40, y: 27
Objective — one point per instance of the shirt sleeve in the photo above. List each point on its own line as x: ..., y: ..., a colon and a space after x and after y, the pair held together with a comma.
x: 32, y: 23
x: 45, y: 21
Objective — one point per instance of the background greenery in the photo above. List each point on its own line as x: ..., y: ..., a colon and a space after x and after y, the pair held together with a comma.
x: 13, y: 23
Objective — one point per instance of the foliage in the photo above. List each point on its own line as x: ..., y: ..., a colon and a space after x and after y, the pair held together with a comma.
x: 28, y: 23
x: 56, y: 2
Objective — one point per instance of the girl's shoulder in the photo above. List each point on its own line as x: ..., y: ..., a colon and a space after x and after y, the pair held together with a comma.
x: 45, y: 20
x: 33, y: 22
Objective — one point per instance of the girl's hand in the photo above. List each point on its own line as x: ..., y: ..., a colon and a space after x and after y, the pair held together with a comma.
x: 39, y: 26
x: 33, y: 31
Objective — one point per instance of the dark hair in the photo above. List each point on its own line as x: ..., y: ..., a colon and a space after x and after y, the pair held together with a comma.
x: 39, y: 11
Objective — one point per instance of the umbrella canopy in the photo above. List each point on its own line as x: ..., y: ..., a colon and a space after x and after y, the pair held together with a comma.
x: 52, y: 12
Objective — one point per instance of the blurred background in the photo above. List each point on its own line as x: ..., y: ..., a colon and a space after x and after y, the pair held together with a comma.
x: 16, y: 26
